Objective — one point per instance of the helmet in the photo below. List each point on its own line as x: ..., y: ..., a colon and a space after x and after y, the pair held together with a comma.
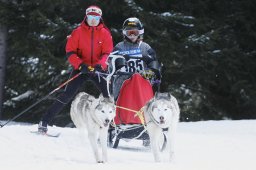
x: 132, y: 24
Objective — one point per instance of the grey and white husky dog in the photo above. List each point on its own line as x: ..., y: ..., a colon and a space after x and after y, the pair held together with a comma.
x: 160, y: 113
x: 95, y: 115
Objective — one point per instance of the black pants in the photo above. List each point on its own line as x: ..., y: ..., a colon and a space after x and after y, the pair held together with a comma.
x: 71, y: 90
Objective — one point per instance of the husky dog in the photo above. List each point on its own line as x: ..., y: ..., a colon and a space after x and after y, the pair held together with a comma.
x: 160, y: 113
x: 95, y: 115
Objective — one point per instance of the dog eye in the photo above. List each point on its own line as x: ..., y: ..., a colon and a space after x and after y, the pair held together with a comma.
x: 102, y: 111
x: 165, y: 109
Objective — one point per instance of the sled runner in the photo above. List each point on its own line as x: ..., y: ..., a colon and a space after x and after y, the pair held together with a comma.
x: 134, y: 93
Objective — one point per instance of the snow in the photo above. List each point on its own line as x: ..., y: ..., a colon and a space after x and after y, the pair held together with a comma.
x: 205, y: 145
x: 23, y: 96
x: 18, y: 98
x: 200, y: 39
x: 44, y: 37
x: 216, y: 51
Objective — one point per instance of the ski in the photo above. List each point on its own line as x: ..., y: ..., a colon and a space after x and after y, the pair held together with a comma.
x: 46, y: 134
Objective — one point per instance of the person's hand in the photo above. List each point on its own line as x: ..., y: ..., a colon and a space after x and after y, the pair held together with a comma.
x: 127, y: 57
x: 84, y: 68
x: 148, y: 74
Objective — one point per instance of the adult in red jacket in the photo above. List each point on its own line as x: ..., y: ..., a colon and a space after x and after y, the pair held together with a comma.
x: 87, y: 49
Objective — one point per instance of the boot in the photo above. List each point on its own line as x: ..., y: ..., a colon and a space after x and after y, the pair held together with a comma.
x: 42, y: 127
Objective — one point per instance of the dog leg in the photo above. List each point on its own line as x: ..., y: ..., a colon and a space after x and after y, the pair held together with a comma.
x: 171, y: 142
x: 154, y: 133
x: 103, y: 141
x: 94, y: 143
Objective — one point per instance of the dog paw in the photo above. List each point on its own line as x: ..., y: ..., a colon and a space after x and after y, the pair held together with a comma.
x: 171, y: 158
x: 157, y: 159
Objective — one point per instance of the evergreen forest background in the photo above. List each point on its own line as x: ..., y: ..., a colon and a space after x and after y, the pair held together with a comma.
x: 208, y: 48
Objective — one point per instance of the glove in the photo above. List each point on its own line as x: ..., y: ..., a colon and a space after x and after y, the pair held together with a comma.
x: 127, y: 57
x: 148, y: 74
x: 98, y: 68
x: 84, y: 68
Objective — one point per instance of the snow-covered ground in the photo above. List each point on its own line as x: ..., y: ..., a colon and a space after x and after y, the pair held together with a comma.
x: 206, y: 145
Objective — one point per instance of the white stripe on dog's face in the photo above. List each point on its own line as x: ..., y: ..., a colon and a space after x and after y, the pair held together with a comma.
x: 162, y: 112
x: 105, y: 112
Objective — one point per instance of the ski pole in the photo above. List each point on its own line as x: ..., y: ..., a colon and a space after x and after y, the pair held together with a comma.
x: 45, y: 97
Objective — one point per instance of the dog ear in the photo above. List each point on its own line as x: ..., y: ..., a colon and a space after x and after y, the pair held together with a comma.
x: 149, y: 105
x: 146, y: 106
x: 100, y: 96
x: 91, y: 98
x: 111, y: 98
x: 169, y: 95
x: 155, y: 96
x: 108, y: 100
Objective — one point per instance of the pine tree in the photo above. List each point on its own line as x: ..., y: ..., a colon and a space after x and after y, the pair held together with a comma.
x: 207, y: 48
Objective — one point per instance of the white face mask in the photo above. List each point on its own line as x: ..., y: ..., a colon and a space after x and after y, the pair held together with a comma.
x: 93, y: 21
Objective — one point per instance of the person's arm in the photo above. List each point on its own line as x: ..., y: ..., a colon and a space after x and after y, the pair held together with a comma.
x: 149, y: 55
x: 71, y: 50
x: 107, y: 48
x: 151, y: 60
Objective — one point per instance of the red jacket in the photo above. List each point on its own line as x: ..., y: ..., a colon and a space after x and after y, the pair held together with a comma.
x: 89, y: 45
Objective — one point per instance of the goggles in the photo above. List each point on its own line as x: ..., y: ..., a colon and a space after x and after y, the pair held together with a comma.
x: 132, y: 32
x: 91, y: 17
x: 135, y: 32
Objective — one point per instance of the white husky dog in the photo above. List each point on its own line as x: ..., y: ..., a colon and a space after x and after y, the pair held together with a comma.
x: 95, y: 115
x: 162, y: 112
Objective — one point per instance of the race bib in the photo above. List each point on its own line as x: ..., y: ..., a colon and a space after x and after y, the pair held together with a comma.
x: 133, y: 65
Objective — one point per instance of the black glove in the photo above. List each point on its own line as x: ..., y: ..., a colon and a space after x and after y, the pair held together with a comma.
x: 127, y: 57
x: 83, y: 68
x: 98, y: 68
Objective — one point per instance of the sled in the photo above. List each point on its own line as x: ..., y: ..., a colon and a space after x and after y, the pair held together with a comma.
x: 128, y: 123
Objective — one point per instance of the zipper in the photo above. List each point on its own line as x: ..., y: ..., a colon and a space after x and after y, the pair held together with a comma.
x: 92, y: 44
